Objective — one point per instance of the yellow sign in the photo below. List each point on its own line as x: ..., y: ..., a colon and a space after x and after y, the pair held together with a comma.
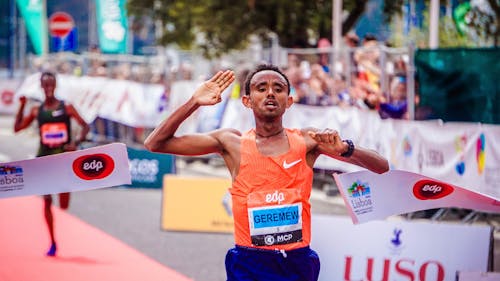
x: 196, y: 204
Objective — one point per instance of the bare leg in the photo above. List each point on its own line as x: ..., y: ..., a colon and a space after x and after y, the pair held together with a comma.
x: 47, y: 199
x: 64, y: 200
x: 49, y: 219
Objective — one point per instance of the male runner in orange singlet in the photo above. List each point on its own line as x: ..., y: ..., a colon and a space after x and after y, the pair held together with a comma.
x: 54, y: 125
x: 272, y: 172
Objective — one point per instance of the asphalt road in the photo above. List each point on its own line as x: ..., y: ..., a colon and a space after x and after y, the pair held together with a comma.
x: 132, y: 215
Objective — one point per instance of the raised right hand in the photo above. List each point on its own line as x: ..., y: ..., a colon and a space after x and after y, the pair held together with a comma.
x: 22, y: 100
x: 209, y: 93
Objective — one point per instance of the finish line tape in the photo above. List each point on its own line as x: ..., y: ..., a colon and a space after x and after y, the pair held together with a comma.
x: 369, y: 196
x: 92, y: 168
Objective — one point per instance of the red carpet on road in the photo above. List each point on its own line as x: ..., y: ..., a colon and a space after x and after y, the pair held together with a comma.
x: 84, y: 252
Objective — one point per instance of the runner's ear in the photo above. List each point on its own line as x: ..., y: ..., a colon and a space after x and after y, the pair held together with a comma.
x: 245, y: 99
x: 289, y: 101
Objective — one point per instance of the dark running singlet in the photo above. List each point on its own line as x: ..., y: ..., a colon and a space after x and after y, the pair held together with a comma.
x: 270, y: 195
x: 54, y: 128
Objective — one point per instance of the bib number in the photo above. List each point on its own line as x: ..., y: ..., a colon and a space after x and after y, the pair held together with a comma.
x: 54, y: 134
x: 275, y: 218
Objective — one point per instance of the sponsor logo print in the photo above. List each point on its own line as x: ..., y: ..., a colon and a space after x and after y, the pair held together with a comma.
x: 480, y: 153
x: 291, y: 164
x: 269, y: 240
x: 396, y: 244
x: 144, y: 170
x: 279, y: 239
x: 276, y: 197
x: 360, y: 197
x: 431, y: 190
x: 93, y: 166
x: 7, y: 97
x: 407, y: 147
x: 11, y: 178
x: 460, y: 144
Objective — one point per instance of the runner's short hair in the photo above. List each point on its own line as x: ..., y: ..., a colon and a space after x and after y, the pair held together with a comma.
x: 263, y: 67
x: 47, y: 73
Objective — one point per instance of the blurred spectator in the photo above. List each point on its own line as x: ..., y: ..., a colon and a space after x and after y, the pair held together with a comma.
x: 123, y: 71
x: 324, y: 57
x: 238, y: 86
x: 97, y: 65
x: 397, y: 106
x: 367, y: 59
x: 298, y: 88
x: 319, y: 86
x: 293, y: 61
x: 351, y: 43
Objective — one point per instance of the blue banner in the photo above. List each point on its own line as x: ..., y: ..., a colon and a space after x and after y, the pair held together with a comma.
x: 147, y: 168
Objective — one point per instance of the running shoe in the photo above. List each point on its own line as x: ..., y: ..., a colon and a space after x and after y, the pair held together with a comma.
x: 52, y: 250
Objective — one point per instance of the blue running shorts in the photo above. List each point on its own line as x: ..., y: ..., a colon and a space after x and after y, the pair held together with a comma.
x: 251, y: 264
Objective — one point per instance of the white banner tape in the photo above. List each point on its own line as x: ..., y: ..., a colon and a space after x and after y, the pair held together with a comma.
x: 96, y: 167
x: 369, y: 196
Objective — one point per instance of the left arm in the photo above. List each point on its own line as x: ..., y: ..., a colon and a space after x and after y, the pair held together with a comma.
x: 70, y: 109
x: 328, y: 142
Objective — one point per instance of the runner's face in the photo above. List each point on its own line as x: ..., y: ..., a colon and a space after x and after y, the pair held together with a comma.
x: 48, y: 86
x: 269, y: 94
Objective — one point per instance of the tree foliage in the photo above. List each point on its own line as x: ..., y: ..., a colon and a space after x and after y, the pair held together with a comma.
x: 218, y: 26
x: 484, y: 21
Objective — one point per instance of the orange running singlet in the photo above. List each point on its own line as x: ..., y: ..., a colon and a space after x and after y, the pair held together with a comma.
x: 270, y: 196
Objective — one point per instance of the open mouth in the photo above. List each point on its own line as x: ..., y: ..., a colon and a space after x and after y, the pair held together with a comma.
x: 271, y: 104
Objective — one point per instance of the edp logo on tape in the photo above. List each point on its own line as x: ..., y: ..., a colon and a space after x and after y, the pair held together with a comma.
x: 93, y: 166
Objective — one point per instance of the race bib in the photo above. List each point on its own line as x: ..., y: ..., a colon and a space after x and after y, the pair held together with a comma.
x: 54, y: 134
x: 275, y: 217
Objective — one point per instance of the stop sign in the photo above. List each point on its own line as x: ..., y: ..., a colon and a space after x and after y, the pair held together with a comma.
x: 60, y: 24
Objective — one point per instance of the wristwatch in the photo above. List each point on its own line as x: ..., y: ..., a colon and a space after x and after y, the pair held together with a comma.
x: 350, y: 148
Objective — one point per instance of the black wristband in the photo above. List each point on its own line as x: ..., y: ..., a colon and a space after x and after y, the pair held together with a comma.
x: 350, y: 149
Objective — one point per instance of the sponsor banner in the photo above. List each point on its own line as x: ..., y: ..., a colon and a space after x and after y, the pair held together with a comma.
x: 112, y: 26
x: 196, y: 204
x: 127, y: 102
x: 147, y: 168
x: 398, y: 250
x: 369, y: 196
x: 8, y: 101
x: 96, y: 167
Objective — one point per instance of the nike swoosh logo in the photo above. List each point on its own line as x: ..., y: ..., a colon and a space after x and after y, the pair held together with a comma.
x: 289, y: 165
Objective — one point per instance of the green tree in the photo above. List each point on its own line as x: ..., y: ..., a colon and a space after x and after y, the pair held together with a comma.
x: 218, y: 26
x: 485, y: 21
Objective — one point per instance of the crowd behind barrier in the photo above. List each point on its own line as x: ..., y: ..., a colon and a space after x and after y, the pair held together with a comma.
x: 364, y: 73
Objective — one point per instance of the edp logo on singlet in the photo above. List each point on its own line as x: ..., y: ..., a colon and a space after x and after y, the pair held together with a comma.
x: 276, y: 197
x: 93, y: 166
